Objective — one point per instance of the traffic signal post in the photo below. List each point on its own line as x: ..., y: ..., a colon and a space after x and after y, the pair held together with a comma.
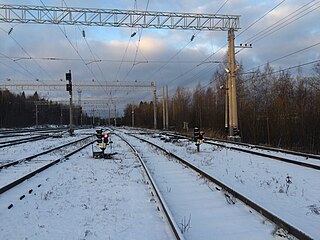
x: 198, y: 137
x: 102, y: 142
x: 69, y: 89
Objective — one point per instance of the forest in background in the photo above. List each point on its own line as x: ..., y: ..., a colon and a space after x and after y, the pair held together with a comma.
x: 275, y: 108
x: 19, y: 110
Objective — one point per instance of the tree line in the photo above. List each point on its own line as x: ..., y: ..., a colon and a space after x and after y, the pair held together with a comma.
x: 19, y: 110
x: 275, y: 108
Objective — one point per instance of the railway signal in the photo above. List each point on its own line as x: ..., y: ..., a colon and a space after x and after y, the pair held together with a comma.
x: 99, y: 135
x: 106, y: 138
x: 69, y: 89
x: 103, y: 140
x: 195, y: 134
x: 198, y: 137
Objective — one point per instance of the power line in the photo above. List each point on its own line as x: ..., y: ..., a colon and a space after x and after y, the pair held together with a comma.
x: 88, y: 61
x: 29, y: 56
x: 280, y: 27
x: 176, y: 54
x: 260, y: 34
x: 138, y: 45
x: 288, y: 55
x: 90, y: 49
x: 74, y: 48
x: 288, y: 68
x: 301, y: 9
x: 260, y: 18
x: 15, y: 69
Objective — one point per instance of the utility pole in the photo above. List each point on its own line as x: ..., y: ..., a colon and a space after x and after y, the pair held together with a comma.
x: 93, y: 117
x: 231, y: 90
x: 154, y: 106
x: 132, y: 115
x: 135, y: 19
x: 36, y: 115
x: 79, y: 102
x: 115, y: 115
x: 109, y: 115
x: 163, y: 109
x: 60, y: 115
x: 167, y: 108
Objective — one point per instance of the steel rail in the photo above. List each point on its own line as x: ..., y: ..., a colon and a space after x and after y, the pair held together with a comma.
x: 166, y: 210
x: 301, y: 154
x: 272, y: 217
x: 31, y: 174
x: 23, y: 130
x: 303, y: 164
x: 282, y: 159
x: 24, y: 140
x: 42, y: 153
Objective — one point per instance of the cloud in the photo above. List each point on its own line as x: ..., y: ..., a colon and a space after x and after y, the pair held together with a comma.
x: 164, y: 56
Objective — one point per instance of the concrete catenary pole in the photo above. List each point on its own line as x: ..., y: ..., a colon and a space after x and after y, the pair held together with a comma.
x: 233, y: 114
x: 163, y: 109
x: 167, y: 108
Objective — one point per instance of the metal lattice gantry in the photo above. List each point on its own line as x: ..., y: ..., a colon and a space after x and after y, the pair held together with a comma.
x: 116, y: 18
x: 110, y: 85
x: 138, y: 19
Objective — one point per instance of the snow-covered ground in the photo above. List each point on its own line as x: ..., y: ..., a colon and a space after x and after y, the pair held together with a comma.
x: 84, y: 198
x: 23, y: 150
x: 199, y: 208
x: 289, y: 191
x: 286, y: 155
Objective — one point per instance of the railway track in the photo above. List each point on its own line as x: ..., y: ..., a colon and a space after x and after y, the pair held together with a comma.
x: 271, y: 216
x: 156, y: 193
x: 31, y: 130
x: 23, y: 140
x: 300, y: 159
x: 25, y: 168
x: 88, y: 198
x: 227, y: 192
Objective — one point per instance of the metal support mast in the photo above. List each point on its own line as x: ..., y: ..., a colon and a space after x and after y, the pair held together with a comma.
x: 167, y: 108
x: 155, y: 106
x: 163, y: 109
x: 136, y: 19
x: 231, y: 90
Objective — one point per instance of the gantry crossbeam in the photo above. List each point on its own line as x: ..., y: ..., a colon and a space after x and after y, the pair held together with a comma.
x: 79, y: 86
x: 116, y: 18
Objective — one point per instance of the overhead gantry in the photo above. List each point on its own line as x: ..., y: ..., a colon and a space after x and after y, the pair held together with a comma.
x: 138, y: 19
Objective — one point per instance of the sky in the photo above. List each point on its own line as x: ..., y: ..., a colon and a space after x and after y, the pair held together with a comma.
x: 167, y: 57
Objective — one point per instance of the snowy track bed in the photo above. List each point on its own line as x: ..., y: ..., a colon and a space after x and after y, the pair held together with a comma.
x: 199, y: 207
x: 288, y: 191
x: 84, y: 198
x: 305, y: 160
x: 23, y: 169
x: 297, y: 158
x: 31, y: 148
